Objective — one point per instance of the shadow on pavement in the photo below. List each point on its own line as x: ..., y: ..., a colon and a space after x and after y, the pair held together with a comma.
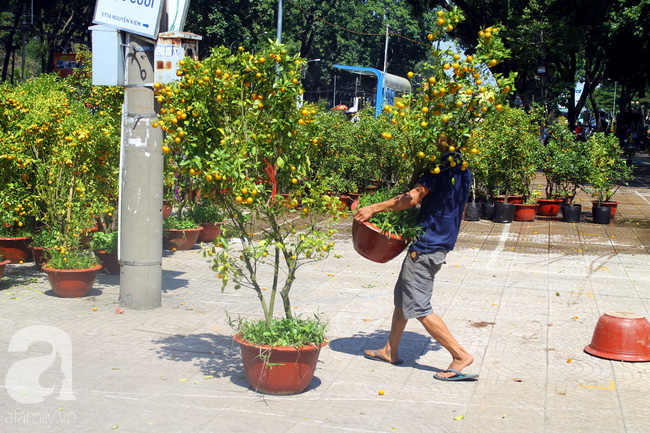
x: 216, y: 355
x: 171, y: 282
x: 412, y: 346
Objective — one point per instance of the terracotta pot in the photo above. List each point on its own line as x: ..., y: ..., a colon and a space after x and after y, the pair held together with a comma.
x: 525, y: 212
x: 109, y: 262
x: 39, y: 255
x: 195, y: 195
x: 345, y: 199
x: 354, y: 195
x: 86, y: 237
x: 513, y: 199
x: 621, y: 336
x: 374, y: 245
x: 2, y: 267
x: 209, y: 232
x: 167, y: 209
x: 180, y: 239
x: 548, y: 207
x: 279, y: 370
x: 16, y: 250
x: 72, y: 283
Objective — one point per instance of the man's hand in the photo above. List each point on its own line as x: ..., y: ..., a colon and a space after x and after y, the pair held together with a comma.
x: 401, y: 202
x: 363, y: 214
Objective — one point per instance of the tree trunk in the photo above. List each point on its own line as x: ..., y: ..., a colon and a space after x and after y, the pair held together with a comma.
x: 9, y: 47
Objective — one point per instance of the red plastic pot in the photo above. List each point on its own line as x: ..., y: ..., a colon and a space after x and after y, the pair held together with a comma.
x: 39, y: 255
x: 525, y: 212
x: 16, y: 250
x: 621, y: 336
x: 548, y: 207
x: 278, y: 370
x: 72, y: 283
x: 109, y: 262
x: 167, y: 209
x: 209, y: 232
x: 2, y: 267
x: 374, y: 245
x: 512, y: 199
x: 180, y: 239
x: 87, y: 236
x: 354, y: 195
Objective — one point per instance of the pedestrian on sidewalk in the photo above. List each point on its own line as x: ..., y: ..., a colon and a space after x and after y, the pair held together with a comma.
x: 443, y: 197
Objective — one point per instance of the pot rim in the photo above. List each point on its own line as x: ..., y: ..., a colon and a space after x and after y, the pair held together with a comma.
x: 15, y: 238
x: 238, y: 338
x: 199, y: 228
x: 94, y: 268
x: 375, y: 229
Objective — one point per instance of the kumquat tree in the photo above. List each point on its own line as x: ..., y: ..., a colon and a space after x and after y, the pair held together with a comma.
x: 53, y: 154
x: 233, y: 123
x: 452, y: 93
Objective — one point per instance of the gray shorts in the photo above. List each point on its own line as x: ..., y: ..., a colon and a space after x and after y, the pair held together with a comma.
x: 414, y: 286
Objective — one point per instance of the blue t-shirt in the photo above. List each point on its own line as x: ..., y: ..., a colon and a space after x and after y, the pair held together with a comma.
x: 441, y: 210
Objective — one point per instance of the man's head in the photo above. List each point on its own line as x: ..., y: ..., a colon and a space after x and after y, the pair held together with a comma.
x: 443, y: 142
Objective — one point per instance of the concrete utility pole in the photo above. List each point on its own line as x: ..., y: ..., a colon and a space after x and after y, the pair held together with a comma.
x: 279, y: 31
x: 386, y: 49
x: 141, y: 183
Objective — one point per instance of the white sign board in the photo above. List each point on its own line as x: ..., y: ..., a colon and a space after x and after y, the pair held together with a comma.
x: 141, y: 17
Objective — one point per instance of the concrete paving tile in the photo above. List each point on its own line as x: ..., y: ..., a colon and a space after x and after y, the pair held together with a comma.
x: 504, y: 365
x: 439, y: 416
x: 637, y: 422
x: 619, y: 303
x: 583, y: 420
x: 499, y: 420
x: 245, y: 420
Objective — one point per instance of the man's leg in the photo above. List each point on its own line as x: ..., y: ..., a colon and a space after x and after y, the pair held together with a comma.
x: 389, y: 351
x: 439, y: 331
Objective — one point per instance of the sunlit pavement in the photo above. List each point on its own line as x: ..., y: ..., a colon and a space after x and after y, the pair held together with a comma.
x: 523, y: 298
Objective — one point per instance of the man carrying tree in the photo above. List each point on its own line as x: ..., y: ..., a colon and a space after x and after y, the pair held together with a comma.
x: 443, y: 197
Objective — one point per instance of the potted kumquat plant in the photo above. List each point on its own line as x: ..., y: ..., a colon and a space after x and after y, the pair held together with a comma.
x: 233, y: 124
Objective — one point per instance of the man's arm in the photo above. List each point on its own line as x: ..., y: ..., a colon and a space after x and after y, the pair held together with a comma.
x: 401, y: 202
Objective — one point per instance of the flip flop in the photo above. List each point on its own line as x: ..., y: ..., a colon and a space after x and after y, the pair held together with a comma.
x: 459, y: 376
x: 376, y: 357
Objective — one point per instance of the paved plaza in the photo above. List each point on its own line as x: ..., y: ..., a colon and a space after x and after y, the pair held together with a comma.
x: 523, y: 298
